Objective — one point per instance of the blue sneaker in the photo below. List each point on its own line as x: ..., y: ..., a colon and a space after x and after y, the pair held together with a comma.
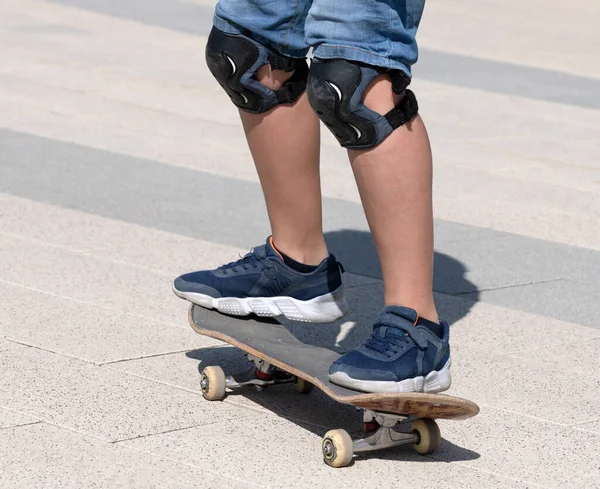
x: 261, y: 283
x: 397, y: 357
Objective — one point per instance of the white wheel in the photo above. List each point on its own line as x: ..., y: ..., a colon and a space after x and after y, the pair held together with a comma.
x: 338, y: 448
x: 212, y: 383
x: 429, y: 435
x: 302, y: 386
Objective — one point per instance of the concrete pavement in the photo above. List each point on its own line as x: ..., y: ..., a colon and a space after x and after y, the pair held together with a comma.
x: 119, y: 157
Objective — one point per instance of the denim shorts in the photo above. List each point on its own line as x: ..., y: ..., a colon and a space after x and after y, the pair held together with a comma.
x: 376, y: 32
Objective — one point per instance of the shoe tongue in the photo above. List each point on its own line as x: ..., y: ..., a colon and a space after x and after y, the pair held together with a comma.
x: 391, y: 315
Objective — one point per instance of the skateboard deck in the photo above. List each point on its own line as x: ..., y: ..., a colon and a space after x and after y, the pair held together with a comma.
x: 268, y: 340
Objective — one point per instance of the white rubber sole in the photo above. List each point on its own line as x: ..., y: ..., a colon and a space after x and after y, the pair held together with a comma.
x: 323, y: 309
x: 435, y: 381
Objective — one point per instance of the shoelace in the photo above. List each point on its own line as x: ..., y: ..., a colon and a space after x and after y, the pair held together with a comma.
x: 388, y: 340
x: 252, y: 259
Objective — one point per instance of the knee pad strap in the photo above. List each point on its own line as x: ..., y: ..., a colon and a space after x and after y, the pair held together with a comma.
x: 335, y: 91
x: 234, y: 59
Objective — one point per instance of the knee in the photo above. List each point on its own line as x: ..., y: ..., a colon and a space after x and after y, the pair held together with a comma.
x: 336, y: 91
x: 255, y: 77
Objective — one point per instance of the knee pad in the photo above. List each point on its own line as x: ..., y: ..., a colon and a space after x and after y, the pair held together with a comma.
x: 234, y: 59
x: 335, y: 92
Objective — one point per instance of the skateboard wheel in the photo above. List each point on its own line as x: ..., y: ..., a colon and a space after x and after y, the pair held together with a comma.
x: 302, y: 386
x: 212, y: 383
x: 429, y: 435
x: 338, y: 448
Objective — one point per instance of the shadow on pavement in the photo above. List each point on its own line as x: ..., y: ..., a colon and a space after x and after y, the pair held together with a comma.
x: 356, y: 251
x: 315, y: 412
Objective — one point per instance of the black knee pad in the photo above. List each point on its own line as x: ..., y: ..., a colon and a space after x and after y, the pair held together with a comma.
x: 234, y: 60
x: 335, y: 92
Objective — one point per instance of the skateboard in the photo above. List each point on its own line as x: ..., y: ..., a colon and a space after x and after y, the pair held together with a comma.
x: 278, y: 357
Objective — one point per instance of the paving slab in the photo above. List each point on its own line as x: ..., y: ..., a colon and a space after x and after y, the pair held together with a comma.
x: 536, y: 222
x: 52, y: 323
x: 566, y: 299
x: 65, y: 228
x: 6, y: 345
x: 90, y: 279
x: 567, y: 357
x: 593, y: 427
x: 45, y: 268
x: 119, y: 241
x: 531, y: 115
x: 534, y: 451
x: 186, y: 16
x: 222, y: 441
x: 109, y: 239
x: 147, y: 178
x: 501, y: 330
x: 455, y: 232
x: 542, y: 219
x: 513, y: 160
x: 69, y: 460
x: 537, y: 261
x: 11, y: 419
x: 201, y: 114
x: 493, y: 159
x: 525, y: 387
x: 148, y: 296
x: 101, y: 43
x: 502, y: 32
x: 98, y: 401
x: 540, y: 196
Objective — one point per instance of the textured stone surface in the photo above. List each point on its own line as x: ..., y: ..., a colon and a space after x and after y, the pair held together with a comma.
x: 526, y: 448
x: 62, y: 458
x: 48, y: 322
x: 223, y: 441
x: 9, y: 345
x: 11, y: 419
x: 97, y: 400
x: 527, y: 387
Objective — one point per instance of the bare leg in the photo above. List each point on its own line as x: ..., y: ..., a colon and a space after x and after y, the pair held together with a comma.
x: 394, y: 181
x: 284, y: 143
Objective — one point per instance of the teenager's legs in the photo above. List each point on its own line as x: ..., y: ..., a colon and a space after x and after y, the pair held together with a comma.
x: 391, y: 162
x: 256, y: 52
x: 284, y: 141
x: 285, y: 147
x: 394, y: 180
x: 358, y: 86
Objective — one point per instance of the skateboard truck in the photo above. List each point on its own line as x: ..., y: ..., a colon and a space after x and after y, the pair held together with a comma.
x: 424, y: 435
x: 260, y: 374
x: 384, y: 435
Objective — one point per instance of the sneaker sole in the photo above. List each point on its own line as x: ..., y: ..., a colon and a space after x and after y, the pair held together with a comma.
x: 435, y: 381
x: 322, y: 309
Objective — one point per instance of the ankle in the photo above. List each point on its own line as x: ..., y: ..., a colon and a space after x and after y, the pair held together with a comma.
x: 310, y: 252
x: 425, y: 308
